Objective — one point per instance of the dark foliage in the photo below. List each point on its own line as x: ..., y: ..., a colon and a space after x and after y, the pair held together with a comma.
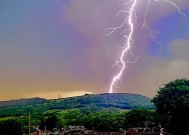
x: 140, y: 118
x: 10, y: 127
x: 172, y: 103
x: 54, y: 121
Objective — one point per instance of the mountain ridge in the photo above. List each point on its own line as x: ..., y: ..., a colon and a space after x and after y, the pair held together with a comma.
x: 21, y: 101
x: 87, y: 102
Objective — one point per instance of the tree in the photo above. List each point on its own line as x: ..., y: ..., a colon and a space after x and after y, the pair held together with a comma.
x: 172, y: 106
x: 139, y: 117
x: 10, y: 127
x: 53, y: 121
x: 104, y: 121
x: 74, y: 118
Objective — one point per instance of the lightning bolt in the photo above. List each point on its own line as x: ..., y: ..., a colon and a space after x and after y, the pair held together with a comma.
x: 130, y: 20
x: 127, y: 47
x: 176, y: 6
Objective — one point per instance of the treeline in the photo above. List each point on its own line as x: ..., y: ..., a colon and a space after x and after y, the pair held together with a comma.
x: 105, y: 121
x: 98, y: 121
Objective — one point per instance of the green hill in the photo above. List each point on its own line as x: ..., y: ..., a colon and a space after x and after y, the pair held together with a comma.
x: 116, y: 100
x: 21, y: 102
x: 88, y: 102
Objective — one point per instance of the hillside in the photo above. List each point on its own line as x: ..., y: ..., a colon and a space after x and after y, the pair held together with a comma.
x: 116, y: 100
x: 88, y: 102
x: 21, y: 102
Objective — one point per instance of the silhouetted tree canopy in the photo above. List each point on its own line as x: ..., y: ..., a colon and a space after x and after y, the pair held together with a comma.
x: 172, y: 106
x: 53, y: 121
x: 10, y: 127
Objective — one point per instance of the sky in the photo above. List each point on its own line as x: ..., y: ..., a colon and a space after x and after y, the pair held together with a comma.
x: 60, y: 48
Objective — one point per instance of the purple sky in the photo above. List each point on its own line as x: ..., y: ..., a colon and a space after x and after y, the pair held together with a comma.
x: 52, y: 47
